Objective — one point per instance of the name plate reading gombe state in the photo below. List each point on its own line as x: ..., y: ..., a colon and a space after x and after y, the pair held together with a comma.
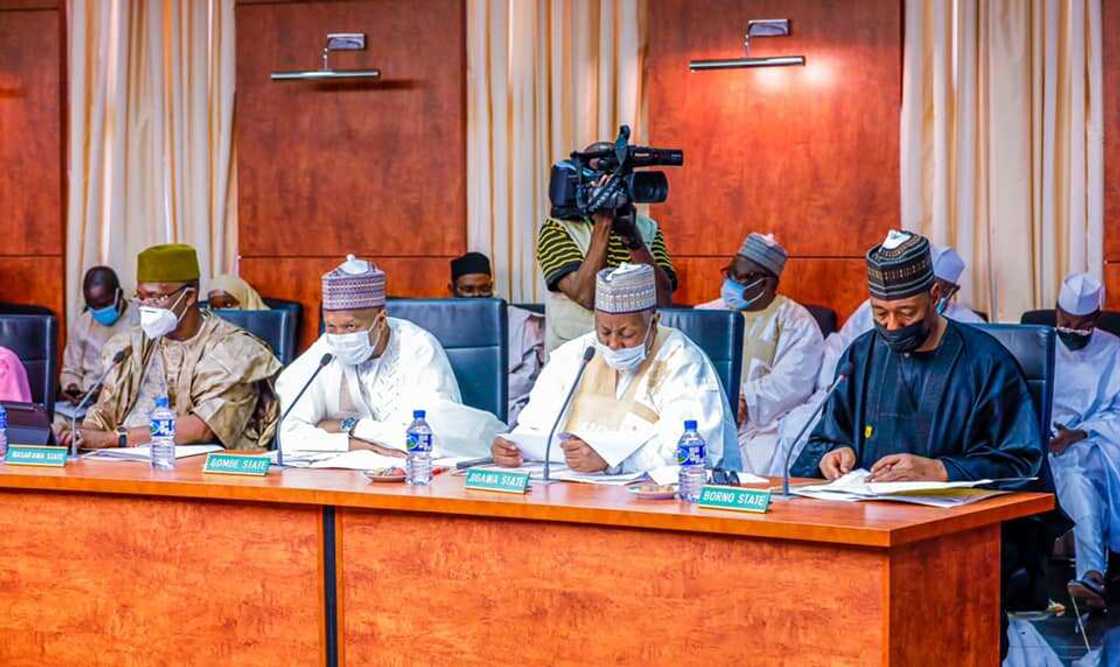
x: 236, y: 464
x: 735, y: 498
x: 497, y: 480
x: 33, y: 455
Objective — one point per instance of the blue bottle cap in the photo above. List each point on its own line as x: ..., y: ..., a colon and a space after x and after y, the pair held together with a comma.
x: 690, y: 424
x: 162, y: 402
x: 419, y: 414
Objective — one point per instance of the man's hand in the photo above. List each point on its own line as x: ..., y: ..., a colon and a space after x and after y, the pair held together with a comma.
x: 580, y: 457
x: 742, y: 411
x: 357, y: 443
x: 1066, y: 437
x: 331, y: 426
x: 88, y: 438
x: 837, y: 463
x: 72, y: 393
x: 908, y: 468
x: 505, y: 453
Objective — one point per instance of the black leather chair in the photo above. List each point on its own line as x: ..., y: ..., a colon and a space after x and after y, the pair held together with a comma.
x: 720, y: 334
x: 23, y: 309
x: 1033, y: 347
x: 295, y: 308
x: 475, y: 335
x: 34, y: 339
x: 275, y: 327
x: 1110, y: 319
x: 825, y: 317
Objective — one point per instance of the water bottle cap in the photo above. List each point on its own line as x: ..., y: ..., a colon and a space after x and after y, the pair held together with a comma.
x: 162, y: 402
x: 419, y: 414
x: 690, y: 424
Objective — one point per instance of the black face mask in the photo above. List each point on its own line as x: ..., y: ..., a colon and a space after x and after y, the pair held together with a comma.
x: 1074, y: 340
x: 908, y: 338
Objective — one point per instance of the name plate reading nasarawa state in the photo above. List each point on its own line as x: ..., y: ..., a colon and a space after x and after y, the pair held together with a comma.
x: 735, y: 498
x: 497, y: 480
x: 30, y: 455
x: 236, y: 464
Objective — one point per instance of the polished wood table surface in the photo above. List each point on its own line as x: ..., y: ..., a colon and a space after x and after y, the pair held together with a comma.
x: 113, y: 554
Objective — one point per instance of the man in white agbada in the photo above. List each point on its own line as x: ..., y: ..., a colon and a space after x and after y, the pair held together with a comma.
x: 382, y: 369
x: 782, y: 347
x: 1085, y: 445
x: 645, y: 379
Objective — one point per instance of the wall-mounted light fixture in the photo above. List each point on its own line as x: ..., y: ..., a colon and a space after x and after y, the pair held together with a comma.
x: 336, y: 41
x: 755, y: 28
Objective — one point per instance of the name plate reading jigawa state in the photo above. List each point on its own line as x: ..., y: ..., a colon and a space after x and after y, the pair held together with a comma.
x: 497, y: 480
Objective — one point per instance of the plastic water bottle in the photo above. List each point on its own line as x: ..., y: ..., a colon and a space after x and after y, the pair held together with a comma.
x: 3, y: 432
x: 418, y: 439
x: 163, y: 435
x: 691, y: 450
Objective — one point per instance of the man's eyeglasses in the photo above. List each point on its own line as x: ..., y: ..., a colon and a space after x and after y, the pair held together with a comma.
x: 743, y: 280
x: 723, y: 477
x: 158, y: 300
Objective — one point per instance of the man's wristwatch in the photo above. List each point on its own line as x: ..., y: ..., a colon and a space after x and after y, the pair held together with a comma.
x: 122, y: 436
x: 347, y: 425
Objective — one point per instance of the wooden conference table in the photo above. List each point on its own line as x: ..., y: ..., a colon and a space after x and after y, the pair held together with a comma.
x: 111, y: 563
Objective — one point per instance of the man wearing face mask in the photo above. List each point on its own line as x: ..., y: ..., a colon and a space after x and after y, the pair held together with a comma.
x: 471, y: 277
x: 217, y: 377
x: 929, y: 399
x: 1085, y: 443
x: 382, y: 369
x: 645, y: 379
x: 106, y: 314
x: 782, y: 347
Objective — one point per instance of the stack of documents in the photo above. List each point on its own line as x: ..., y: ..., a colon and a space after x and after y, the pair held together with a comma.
x: 144, y: 452
x: 854, y: 487
x: 614, y: 446
x: 355, y: 459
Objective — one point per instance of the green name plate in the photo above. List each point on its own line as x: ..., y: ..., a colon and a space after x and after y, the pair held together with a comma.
x: 236, y: 464
x: 735, y: 498
x: 29, y: 455
x: 498, y: 480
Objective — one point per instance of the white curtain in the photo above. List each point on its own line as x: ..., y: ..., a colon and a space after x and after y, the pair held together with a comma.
x: 151, y: 134
x: 544, y: 78
x: 1002, y: 145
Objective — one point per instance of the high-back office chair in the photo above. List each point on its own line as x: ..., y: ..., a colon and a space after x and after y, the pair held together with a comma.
x: 295, y: 309
x: 1033, y: 347
x: 825, y: 317
x: 34, y: 339
x: 720, y: 334
x: 475, y: 335
x: 276, y: 327
x: 1110, y: 319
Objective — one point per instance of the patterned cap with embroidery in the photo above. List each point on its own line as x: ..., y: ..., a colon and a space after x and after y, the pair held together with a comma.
x: 629, y: 288
x: 899, y: 267
x: 354, y: 285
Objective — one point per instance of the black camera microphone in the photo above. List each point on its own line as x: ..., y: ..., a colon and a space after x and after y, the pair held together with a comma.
x: 588, y: 355
x: 326, y: 359
x: 843, y: 373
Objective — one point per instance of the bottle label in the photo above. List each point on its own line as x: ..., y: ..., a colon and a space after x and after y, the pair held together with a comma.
x: 163, y: 428
x: 419, y: 442
x: 690, y: 454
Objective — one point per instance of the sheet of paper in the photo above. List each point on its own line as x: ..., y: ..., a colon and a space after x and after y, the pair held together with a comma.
x: 665, y: 475
x: 144, y: 452
x: 359, y: 459
x: 532, y: 446
x: 614, y: 446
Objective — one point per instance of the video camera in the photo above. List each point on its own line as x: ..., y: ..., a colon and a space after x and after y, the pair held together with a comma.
x: 604, y: 180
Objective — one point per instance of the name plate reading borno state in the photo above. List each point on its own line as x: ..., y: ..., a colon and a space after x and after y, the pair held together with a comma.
x: 498, y: 480
x: 28, y: 455
x: 236, y: 464
x: 735, y: 498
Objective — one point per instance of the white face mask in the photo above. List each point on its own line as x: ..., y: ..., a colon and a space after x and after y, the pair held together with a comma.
x: 625, y: 358
x: 352, y: 349
x: 158, y: 322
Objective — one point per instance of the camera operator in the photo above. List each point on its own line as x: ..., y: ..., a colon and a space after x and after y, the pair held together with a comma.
x: 571, y: 252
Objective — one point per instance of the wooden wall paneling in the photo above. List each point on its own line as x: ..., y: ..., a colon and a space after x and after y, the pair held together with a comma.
x: 327, y: 168
x: 1110, y: 18
x: 99, y: 578
x: 1112, y: 285
x: 33, y: 280
x: 30, y: 134
x: 299, y: 279
x: 808, y: 153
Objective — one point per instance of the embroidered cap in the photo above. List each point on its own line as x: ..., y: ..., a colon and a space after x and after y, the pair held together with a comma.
x: 630, y: 288
x: 947, y: 264
x: 1081, y: 294
x: 354, y: 285
x: 899, y: 267
x: 763, y: 250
